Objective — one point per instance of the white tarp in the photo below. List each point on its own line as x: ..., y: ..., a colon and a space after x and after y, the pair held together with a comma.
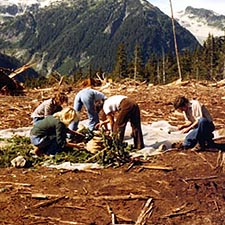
x: 155, y: 135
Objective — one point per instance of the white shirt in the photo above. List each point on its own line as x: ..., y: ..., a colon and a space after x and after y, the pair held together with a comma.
x: 196, y: 111
x: 112, y: 104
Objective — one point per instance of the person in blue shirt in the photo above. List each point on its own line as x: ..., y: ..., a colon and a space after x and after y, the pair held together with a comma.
x: 88, y: 98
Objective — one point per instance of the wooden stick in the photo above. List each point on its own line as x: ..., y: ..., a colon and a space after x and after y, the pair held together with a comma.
x: 204, y: 159
x: 112, y: 198
x: 166, y: 168
x: 201, y: 178
x: 130, y: 166
x: 48, y: 203
x: 178, y: 213
x: 55, y: 219
x: 112, y: 214
x: 16, y: 184
x: 61, y: 80
x: 70, y: 207
x: 147, y: 208
x: 94, y: 156
x: 218, y: 161
x: 88, y: 197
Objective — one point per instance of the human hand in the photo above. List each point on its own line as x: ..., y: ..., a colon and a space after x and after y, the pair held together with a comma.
x: 80, y: 145
x: 180, y: 127
x: 185, y: 130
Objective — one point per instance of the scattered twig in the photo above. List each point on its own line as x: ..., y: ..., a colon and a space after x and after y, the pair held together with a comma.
x: 41, y: 196
x: 113, y: 216
x: 70, y: 207
x: 88, y: 197
x: 148, y: 207
x: 216, y: 204
x: 112, y: 198
x: 179, y: 213
x: 48, y: 203
x: 200, y: 178
x: 130, y: 166
x: 220, y: 161
x: 54, y: 219
x: 61, y: 81
x: 166, y: 168
x: 204, y: 159
x: 94, y: 156
x: 16, y: 184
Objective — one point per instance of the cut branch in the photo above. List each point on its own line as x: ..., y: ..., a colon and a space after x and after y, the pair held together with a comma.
x: 147, y: 208
x: 48, y: 203
x: 201, y: 178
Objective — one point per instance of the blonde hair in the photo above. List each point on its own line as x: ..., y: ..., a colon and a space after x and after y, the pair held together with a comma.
x: 66, y: 115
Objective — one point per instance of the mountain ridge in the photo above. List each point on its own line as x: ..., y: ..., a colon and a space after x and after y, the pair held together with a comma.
x: 79, y: 34
x: 201, y: 22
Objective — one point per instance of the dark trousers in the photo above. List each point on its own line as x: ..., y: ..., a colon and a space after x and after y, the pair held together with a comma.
x: 203, y: 134
x: 129, y: 111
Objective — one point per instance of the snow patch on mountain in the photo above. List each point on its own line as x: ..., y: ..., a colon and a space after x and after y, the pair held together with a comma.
x: 41, y: 3
x: 198, y: 25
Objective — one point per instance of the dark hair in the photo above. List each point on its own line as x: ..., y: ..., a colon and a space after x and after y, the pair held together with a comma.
x: 99, y: 105
x: 60, y: 98
x: 180, y: 101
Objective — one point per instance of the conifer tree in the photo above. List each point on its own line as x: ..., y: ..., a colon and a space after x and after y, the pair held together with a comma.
x: 137, y: 63
x: 120, y: 69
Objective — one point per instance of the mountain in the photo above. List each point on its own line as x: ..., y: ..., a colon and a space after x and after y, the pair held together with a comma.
x: 201, y: 22
x: 73, y: 34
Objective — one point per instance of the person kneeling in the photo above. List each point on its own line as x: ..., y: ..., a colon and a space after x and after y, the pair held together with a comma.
x: 49, y: 135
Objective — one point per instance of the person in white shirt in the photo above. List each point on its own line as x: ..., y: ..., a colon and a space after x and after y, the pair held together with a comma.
x: 127, y: 110
x: 199, y: 123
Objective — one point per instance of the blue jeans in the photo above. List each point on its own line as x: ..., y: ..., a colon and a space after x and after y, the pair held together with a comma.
x: 86, y: 98
x: 47, y: 144
x: 202, y: 134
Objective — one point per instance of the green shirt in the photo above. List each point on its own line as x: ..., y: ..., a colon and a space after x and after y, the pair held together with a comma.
x: 51, y: 127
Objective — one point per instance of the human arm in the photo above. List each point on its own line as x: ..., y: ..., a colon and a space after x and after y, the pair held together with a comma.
x: 185, y: 128
x: 192, y: 114
x: 108, y: 119
x: 75, y: 145
x: 75, y: 133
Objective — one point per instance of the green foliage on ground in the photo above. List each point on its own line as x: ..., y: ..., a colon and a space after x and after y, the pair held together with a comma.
x: 14, y: 147
x: 113, y: 154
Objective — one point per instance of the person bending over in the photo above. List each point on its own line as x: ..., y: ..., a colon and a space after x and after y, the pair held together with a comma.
x: 89, y: 98
x: 127, y: 110
x: 49, y: 107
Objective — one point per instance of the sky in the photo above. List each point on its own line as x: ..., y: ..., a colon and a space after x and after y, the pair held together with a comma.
x: 217, y: 6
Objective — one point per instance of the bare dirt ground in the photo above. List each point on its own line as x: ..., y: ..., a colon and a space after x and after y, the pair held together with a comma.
x: 191, y: 192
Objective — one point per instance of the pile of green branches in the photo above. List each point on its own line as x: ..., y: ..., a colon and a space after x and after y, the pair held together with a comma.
x: 113, y: 153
